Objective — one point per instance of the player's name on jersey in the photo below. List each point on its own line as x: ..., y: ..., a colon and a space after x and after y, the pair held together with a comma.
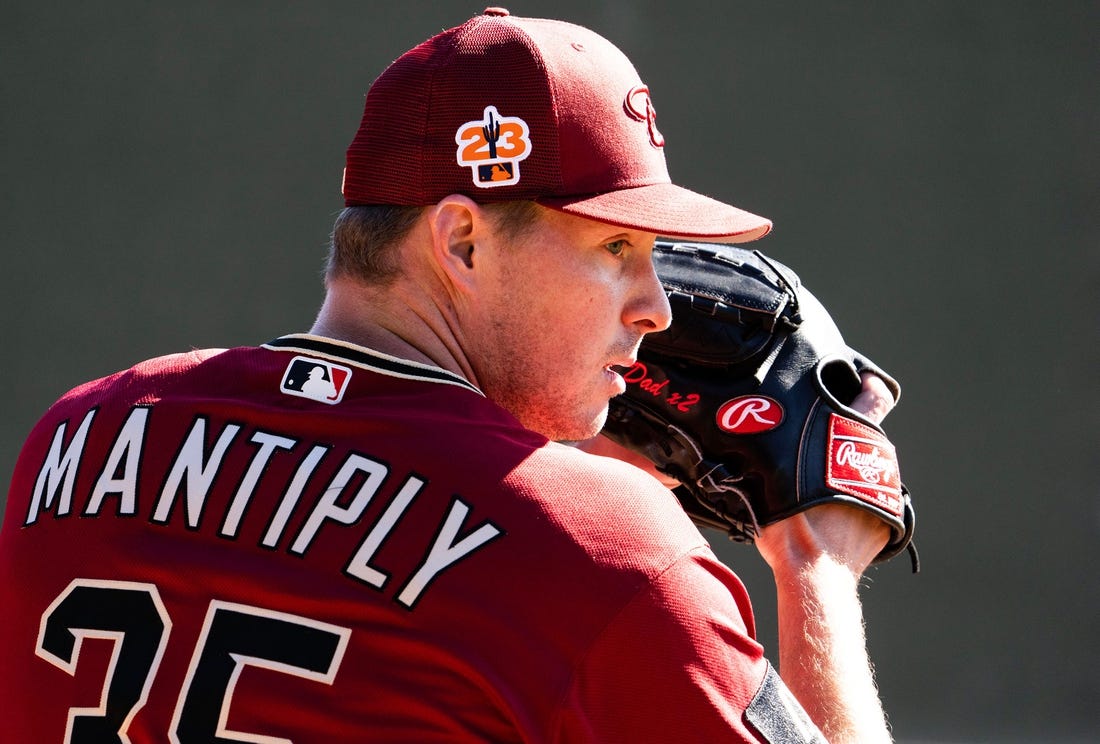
x: 125, y: 487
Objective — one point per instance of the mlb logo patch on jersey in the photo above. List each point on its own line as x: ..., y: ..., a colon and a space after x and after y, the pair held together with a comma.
x: 315, y: 379
x: 492, y: 146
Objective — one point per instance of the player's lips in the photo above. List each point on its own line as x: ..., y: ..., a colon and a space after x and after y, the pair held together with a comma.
x: 616, y: 370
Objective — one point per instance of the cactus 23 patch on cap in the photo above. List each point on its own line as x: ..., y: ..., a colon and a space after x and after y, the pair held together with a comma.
x: 492, y: 148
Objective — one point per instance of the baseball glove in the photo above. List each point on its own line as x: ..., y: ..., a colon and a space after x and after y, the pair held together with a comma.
x: 745, y: 400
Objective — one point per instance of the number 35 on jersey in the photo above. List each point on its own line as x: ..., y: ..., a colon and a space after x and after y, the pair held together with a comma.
x: 492, y: 148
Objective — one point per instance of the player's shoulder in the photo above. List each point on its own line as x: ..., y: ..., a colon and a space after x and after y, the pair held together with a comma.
x: 607, y: 504
x: 596, y: 471
x: 140, y: 379
x: 168, y: 365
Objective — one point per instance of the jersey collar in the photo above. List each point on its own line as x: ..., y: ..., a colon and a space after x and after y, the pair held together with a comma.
x: 361, y: 356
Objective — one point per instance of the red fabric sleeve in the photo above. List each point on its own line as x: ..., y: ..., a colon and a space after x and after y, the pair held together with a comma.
x: 678, y: 664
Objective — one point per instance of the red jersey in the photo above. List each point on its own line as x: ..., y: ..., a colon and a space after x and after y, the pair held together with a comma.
x: 310, y: 541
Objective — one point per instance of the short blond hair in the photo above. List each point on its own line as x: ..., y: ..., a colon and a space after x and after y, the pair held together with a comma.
x: 363, y: 237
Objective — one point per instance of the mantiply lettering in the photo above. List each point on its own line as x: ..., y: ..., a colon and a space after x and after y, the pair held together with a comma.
x: 124, y: 483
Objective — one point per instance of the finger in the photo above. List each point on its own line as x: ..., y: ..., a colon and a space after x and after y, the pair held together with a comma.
x: 875, y: 399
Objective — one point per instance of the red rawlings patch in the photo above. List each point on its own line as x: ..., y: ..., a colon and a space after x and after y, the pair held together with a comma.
x: 863, y: 463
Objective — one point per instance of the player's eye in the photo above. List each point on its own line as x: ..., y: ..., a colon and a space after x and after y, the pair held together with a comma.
x: 616, y: 247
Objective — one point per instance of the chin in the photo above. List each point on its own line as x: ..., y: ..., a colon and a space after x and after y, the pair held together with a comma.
x: 584, y: 429
x: 559, y: 418
x: 572, y: 430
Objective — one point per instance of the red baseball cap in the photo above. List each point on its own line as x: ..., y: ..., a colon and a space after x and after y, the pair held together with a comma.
x: 504, y: 108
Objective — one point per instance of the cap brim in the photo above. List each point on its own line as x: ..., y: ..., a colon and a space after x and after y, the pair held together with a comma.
x: 669, y: 211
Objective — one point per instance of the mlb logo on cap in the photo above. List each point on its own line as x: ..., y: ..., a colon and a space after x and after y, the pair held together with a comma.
x: 315, y: 379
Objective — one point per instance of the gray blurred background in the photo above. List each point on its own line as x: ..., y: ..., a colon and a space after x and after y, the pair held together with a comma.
x: 171, y: 172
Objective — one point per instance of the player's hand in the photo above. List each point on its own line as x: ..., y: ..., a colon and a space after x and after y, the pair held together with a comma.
x: 849, y: 535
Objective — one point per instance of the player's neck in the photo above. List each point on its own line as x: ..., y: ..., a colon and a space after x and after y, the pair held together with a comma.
x: 393, y: 321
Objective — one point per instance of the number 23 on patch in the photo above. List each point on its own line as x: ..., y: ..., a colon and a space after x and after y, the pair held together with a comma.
x: 492, y: 148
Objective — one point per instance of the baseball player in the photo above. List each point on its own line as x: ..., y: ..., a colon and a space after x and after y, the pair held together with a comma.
x: 374, y: 531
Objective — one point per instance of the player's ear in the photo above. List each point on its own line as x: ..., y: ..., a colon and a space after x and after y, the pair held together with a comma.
x: 455, y: 222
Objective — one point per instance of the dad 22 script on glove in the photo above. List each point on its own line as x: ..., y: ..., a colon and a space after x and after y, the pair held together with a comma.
x: 745, y: 398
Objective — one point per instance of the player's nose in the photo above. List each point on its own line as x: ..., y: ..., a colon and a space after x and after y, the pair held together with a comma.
x: 649, y: 310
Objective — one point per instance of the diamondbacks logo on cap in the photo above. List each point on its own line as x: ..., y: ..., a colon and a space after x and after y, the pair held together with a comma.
x: 315, y: 379
x: 639, y: 106
x: 492, y: 147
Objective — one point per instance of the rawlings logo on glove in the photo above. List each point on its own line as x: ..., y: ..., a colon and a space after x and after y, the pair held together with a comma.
x: 745, y: 400
x: 749, y: 414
